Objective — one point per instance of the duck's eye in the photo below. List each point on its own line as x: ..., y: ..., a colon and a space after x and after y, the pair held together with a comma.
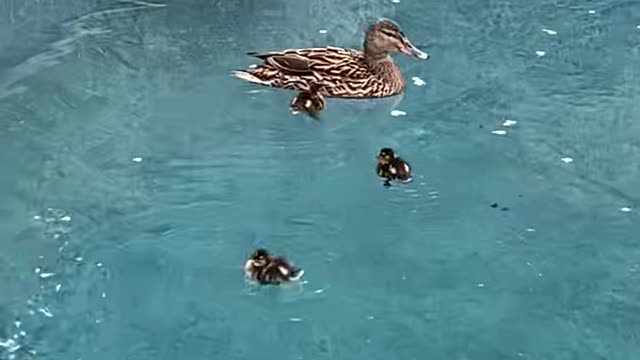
x: 389, y: 33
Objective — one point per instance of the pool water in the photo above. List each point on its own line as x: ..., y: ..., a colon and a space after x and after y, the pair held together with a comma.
x: 138, y: 175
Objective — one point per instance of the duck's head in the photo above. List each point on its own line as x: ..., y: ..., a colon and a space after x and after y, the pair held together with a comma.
x: 385, y: 37
x: 259, y: 257
x: 386, y: 155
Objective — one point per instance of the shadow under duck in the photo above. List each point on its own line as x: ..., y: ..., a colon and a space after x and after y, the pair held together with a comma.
x: 339, y: 72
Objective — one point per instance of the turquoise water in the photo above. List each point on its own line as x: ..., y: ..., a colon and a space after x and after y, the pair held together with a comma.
x: 138, y: 175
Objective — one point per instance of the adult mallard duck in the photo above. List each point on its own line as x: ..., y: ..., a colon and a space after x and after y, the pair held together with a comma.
x: 340, y: 73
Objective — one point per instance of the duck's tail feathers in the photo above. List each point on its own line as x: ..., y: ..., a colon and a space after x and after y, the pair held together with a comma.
x: 247, y: 76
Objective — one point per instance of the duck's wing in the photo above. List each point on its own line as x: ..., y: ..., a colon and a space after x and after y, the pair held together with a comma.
x: 291, y: 64
x: 266, y: 275
x: 402, y: 166
x: 288, y: 61
x: 328, y: 61
x: 403, y: 171
x: 385, y: 170
x: 286, y: 268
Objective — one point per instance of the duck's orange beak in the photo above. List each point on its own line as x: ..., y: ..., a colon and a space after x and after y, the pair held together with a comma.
x: 409, y: 49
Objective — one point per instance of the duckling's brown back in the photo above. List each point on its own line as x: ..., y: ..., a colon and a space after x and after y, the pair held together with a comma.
x: 403, y: 170
x: 272, y: 273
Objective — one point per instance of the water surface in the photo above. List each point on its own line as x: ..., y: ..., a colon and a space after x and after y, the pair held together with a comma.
x: 138, y: 175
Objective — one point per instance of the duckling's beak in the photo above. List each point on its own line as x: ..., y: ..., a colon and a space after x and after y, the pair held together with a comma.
x: 409, y: 49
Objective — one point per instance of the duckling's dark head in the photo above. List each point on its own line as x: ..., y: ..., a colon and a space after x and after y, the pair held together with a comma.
x: 260, y: 257
x: 386, y: 154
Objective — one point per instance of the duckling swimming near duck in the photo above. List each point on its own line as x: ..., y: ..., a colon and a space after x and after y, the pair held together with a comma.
x: 269, y: 270
x: 392, y: 167
x: 310, y: 102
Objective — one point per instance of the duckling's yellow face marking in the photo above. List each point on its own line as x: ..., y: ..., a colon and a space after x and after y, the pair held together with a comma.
x: 386, y: 153
x: 259, y: 262
x: 259, y: 258
x: 384, y: 158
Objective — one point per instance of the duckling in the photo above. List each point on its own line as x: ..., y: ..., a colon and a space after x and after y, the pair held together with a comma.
x: 270, y: 270
x: 392, y: 167
x: 310, y: 102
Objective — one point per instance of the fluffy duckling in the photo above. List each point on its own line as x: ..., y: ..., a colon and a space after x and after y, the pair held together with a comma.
x: 269, y: 270
x: 310, y: 102
x: 392, y: 167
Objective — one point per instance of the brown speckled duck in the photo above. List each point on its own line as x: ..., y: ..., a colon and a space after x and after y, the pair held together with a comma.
x: 340, y: 73
x: 265, y: 269
x: 391, y: 167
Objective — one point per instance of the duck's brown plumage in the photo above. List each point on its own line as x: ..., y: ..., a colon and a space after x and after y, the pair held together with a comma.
x: 342, y: 73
